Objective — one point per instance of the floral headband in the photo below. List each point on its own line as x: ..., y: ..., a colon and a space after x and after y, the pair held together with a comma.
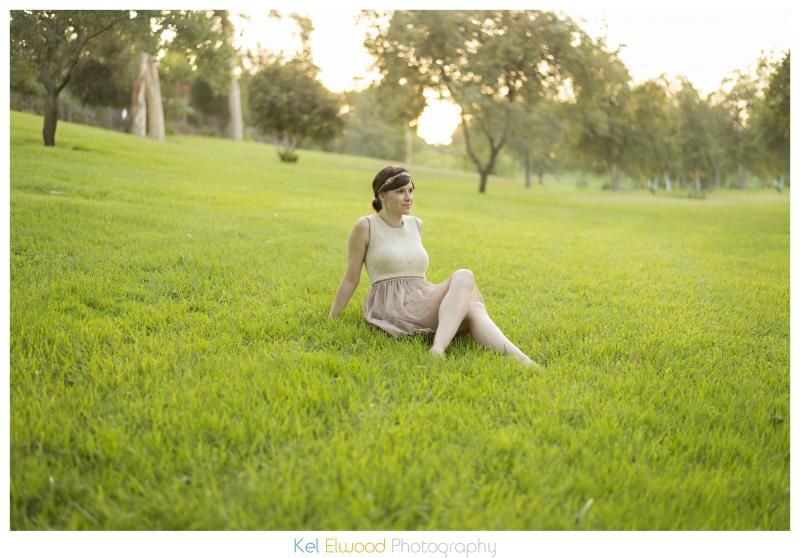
x: 389, y: 182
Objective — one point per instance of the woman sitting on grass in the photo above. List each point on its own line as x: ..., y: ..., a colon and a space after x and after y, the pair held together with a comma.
x: 401, y: 301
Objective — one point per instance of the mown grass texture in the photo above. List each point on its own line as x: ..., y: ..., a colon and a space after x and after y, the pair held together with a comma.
x: 173, y: 367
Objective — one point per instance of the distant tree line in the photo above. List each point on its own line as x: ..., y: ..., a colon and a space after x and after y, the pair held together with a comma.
x: 532, y: 87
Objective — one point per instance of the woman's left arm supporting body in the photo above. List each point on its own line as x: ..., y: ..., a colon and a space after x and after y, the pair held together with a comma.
x: 356, y: 250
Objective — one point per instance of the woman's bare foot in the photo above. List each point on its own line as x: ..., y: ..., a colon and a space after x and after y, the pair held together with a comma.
x: 437, y: 353
x: 526, y: 360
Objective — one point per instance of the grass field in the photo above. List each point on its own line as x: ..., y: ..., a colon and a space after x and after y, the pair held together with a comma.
x: 173, y: 367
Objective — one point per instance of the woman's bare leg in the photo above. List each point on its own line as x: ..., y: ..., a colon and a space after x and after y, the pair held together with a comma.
x: 486, y: 333
x: 453, y: 309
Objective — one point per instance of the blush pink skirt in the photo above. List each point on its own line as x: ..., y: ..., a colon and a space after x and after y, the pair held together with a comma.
x: 407, y: 305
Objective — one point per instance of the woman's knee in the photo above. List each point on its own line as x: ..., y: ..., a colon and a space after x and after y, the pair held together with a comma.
x: 463, y: 278
x: 476, y: 308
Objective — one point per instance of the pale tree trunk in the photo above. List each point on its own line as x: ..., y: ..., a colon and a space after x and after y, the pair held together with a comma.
x: 235, y: 108
x: 740, y: 176
x: 614, y: 177
x: 409, y: 145
x: 541, y: 176
x: 138, y: 107
x: 155, y: 109
x: 667, y: 183
x: 527, y: 170
x: 697, y: 185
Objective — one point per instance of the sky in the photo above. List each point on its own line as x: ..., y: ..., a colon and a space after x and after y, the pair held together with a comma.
x: 705, y: 45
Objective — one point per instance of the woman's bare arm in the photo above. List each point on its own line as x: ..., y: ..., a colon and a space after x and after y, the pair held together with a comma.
x: 356, y: 250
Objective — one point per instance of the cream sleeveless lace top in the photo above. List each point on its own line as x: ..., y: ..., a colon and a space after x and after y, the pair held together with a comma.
x: 394, y: 251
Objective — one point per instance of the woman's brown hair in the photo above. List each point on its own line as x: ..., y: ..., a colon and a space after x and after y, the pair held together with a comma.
x: 385, y: 174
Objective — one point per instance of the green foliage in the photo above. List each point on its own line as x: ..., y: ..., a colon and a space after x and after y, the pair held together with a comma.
x: 50, y: 43
x: 602, y: 88
x: 202, y: 36
x: 196, y: 46
x: 771, y: 120
x: 739, y: 103
x: 651, y: 130
x: 24, y: 73
x: 203, y: 99
x: 104, y: 77
x: 288, y: 102
x: 175, y: 74
x: 537, y: 136
x: 368, y: 130
x: 694, y: 130
x: 777, y: 99
x: 172, y: 366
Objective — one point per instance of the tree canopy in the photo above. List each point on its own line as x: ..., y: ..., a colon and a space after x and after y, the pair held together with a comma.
x: 288, y: 102
x: 485, y: 61
x: 51, y: 42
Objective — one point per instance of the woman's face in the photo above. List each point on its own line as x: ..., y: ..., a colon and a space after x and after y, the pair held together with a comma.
x: 399, y: 200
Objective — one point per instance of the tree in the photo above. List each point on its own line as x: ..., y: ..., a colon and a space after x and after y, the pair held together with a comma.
x: 694, y: 133
x: 236, y: 122
x: 203, y: 99
x: 485, y: 61
x: 286, y: 101
x: 103, y: 77
x: 771, y: 121
x: 738, y: 104
x: 536, y: 136
x: 176, y: 76
x: 202, y: 38
x: 53, y: 42
x: 650, y: 133
x: 367, y: 130
x: 401, y: 92
x: 402, y: 103
x: 602, y: 86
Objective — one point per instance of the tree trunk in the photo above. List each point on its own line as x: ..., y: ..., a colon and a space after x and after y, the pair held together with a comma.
x: 667, y: 183
x: 50, y: 119
x: 484, y: 177
x: 697, y: 185
x: 740, y: 176
x: 527, y: 170
x: 138, y: 109
x: 409, y: 145
x: 541, y: 176
x: 614, y: 177
x: 235, y: 109
x: 155, y: 109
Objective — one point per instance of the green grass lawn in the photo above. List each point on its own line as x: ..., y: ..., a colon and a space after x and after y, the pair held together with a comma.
x: 173, y: 367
